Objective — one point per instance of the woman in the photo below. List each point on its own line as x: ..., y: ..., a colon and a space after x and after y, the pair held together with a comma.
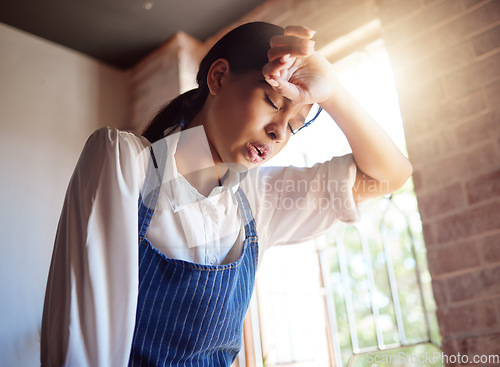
x: 179, y: 298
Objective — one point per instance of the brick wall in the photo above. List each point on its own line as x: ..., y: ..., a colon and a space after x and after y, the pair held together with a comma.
x: 331, y: 19
x: 447, y: 66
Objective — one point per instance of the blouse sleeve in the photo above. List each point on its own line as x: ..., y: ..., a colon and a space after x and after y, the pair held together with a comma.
x: 91, y: 297
x: 295, y: 204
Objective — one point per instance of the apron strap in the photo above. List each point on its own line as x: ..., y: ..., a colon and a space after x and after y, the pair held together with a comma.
x: 152, y: 184
x: 246, y: 213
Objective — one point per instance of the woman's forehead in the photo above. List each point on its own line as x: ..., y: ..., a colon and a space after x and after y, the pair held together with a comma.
x: 255, y: 77
x: 301, y: 108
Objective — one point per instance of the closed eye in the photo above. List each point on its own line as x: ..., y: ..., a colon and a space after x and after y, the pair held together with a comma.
x: 271, y: 103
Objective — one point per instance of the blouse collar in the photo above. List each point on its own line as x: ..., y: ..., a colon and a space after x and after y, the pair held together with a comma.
x: 179, y: 192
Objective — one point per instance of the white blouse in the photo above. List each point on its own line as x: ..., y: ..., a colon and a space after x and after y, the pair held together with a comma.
x: 91, y: 297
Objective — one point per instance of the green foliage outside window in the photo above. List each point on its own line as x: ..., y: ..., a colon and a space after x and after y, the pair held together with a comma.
x: 392, y: 222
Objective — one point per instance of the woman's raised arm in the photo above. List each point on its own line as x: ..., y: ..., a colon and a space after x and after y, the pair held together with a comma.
x: 302, y: 75
x: 382, y: 168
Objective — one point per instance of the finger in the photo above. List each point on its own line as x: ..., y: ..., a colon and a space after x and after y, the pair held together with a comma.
x: 275, y: 67
x: 291, y: 41
x: 285, y: 88
x: 293, y: 51
x: 297, y: 30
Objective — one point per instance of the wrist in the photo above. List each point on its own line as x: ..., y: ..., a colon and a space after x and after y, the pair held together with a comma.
x: 336, y: 96
x: 332, y: 80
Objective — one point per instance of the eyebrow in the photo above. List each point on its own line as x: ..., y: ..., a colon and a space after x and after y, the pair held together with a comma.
x: 300, y: 116
x: 267, y: 85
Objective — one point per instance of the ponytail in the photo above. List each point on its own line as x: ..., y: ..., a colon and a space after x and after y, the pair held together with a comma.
x: 179, y: 111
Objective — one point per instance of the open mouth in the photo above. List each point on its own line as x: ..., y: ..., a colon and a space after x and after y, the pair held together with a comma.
x: 258, y: 152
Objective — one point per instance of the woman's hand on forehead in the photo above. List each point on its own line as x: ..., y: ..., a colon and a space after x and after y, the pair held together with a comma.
x: 295, y: 70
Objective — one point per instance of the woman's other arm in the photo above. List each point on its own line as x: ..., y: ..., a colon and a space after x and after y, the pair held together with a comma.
x: 90, y: 301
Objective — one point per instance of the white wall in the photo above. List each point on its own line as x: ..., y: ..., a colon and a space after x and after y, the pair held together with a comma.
x: 51, y: 99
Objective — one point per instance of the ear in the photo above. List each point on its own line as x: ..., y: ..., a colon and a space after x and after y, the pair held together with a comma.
x: 218, y: 70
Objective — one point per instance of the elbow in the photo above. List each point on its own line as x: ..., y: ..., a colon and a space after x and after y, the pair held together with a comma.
x: 404, y: 172
x: 407, y: 170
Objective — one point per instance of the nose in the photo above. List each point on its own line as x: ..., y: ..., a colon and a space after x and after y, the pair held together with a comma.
x: 278, y: 128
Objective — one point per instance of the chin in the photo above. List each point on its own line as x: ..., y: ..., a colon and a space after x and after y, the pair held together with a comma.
x: 244, y: 163
x: 239, y: 162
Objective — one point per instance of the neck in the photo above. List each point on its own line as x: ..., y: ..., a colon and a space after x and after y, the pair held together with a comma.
x: 196, y: 163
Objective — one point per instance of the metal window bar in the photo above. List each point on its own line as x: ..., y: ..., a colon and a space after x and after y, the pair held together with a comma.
x: 332, y: 326
x: 347, y: 294
x: 418, y: 271
x: 393, y: 285
x: 369, y: 273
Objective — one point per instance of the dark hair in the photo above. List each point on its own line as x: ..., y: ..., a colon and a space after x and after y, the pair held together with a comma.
x: 245, y: 48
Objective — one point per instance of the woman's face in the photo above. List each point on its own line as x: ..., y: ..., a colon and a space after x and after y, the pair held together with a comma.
x: 247, y: 121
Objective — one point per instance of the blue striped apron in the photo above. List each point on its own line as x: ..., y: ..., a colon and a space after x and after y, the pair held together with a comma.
x: 191, y: 314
